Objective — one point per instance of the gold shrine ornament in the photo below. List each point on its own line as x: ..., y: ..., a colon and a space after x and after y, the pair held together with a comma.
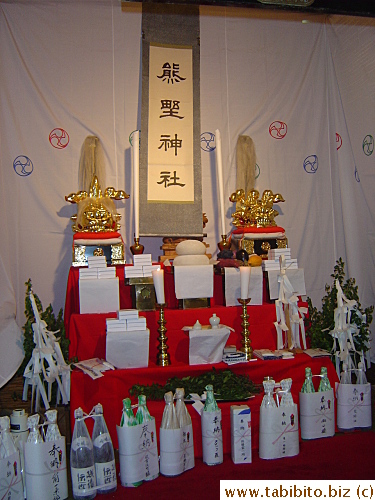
x: 96, y: 213
x: 253, y: 211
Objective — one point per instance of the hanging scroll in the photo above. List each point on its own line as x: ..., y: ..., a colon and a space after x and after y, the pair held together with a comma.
x: 170, y: 125
x: 170, y: 178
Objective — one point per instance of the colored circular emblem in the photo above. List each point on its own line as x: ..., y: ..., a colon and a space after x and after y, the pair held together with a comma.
x: 338, y: 141
x: 356, y: 175
x: 131, y: 138
x: 207, y: 141
x: 368, y: 145
x: 23, y: 166
x: 310, y: 164
x: 278, y: 129
x: 59, y: 138
x: 257, y: 171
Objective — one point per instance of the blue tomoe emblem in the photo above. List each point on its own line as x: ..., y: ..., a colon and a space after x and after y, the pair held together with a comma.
x: 368, y: 145
x: 208, y: 141
x: 310, y: 164
x: 23, y: 166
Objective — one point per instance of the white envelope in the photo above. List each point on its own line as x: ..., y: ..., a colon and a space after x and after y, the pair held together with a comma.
x: 207, y: 346
x: 194, y: 282
x: 128, y: 349
x: 99, y: 296
x: 233, y: 286
x: 296, y: 278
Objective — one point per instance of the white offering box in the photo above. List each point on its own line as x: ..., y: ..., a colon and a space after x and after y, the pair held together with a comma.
x: 353, y: 406
x: 11, y: 487
x: 138, y: 453
x: 176, y: 450
x: 233, y: 286
x: 212, y: 437
x: 99, y: 296
x: 317, y: 414
x: 240, y: 426
x: 278, y: 432
x: 128, y: 349
x: 194, y: 282
x: 206, y: 346
x: 45, y: 467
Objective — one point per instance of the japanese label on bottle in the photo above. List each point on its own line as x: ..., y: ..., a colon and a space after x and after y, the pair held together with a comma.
x: 81, y: 442
x: 105, y: 474
x: 83, y: 480
x: 102, y: 439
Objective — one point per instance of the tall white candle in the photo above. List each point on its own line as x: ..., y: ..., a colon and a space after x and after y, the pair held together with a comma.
x: 158, y: 276
x: 245, y: 281
x: 219, y: 172
x: 136, y: 182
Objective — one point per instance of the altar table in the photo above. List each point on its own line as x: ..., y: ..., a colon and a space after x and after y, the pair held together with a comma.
x: 87, y: 336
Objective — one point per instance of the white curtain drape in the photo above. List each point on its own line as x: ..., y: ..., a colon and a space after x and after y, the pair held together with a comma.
x: 75, y: 67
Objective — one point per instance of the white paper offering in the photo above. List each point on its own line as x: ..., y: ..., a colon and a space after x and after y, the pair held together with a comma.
x: 176, y: 450
x: 207, y: 346
x: 11, y: 486
x: 138, y: 452
x: 212, y: 437
x: 317, y: 414
x: 240, y: 428
x: 99, y: 296
x: 45, y: 466
x: 278, y: 432
x: 128, y: 349
x: 233, y: 286
x: 353, y: 406
x: 296, y: 278
x: 194, y: 282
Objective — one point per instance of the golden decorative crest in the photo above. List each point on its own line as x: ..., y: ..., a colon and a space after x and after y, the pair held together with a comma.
x: 252, y: 211
x: 96, y: 212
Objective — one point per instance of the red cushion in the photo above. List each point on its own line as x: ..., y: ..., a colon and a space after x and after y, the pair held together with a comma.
x: 271, y: 229
x: 96, y: 236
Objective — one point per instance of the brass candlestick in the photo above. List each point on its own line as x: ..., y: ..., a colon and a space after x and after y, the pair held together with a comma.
x: 137, y: 248
x: 224, y: 244
x: 245, y: 342
x: 162, y: 358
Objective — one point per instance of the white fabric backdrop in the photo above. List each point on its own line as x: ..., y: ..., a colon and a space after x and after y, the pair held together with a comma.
x: 76, y: 66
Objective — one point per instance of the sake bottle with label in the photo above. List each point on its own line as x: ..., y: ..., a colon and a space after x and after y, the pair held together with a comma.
x: 324, y: 384
x: 34, y: 433
x: 345, y: 376
x: 104, y: 456
x: 308, y: 386
x: 361, y: 376
x: 142, y: 415
x: 169, y: 418
x: 268, y: 399
x: 7, y: 446
x: 82, y: 464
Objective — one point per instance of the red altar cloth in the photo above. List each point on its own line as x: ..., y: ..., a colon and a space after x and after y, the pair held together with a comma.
x: 88, y: 337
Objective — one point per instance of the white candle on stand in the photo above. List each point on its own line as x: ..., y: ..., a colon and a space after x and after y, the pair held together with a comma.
x: 245, y: 281
x: 136, y: 182
x: 158, y: 276
x: 219, y: 172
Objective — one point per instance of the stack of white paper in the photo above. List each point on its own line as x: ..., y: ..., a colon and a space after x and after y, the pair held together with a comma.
x: 275, y: 253
x: 97, y: 261
x: 127, y: 320
x: 115, y: 325
x: 106, y: 272
x: 274, y: 265
x: 142, y: 267
x: 88, y: 274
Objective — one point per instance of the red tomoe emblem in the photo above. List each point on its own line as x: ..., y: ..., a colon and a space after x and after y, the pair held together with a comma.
x: 278, y: 129
x: 59, y: 138
x: 338, y: 141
